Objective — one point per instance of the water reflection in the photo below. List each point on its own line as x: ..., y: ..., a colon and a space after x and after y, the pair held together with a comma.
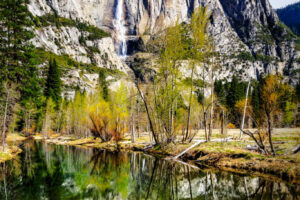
x: 46, y: 171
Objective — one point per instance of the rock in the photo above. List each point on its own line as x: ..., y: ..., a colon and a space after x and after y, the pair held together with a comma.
x: 247, y: 26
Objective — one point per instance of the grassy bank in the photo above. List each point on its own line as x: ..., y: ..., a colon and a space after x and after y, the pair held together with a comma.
x: 229, y: 156
x: 11, y: 151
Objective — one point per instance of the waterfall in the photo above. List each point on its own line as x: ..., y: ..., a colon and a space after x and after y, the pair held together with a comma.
x: 120, y: 28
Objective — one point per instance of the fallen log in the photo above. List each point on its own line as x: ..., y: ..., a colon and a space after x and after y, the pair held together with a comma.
x: 252, y: 148
x: 296, y: 150
x: 189, y: 148
x: 202, y: 141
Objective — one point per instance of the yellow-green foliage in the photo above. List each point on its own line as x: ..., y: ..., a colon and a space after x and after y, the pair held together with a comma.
x: 289, y: 112
x: 108, y: 119
x: 199, y: 23
x: 48, y: 123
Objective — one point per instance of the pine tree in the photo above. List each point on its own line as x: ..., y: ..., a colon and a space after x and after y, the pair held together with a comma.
x: 103, y: 85
x: 18, y: 73
x: 255, y: 99
x: 233, y: 94
x: 236, y: 92
x: 220, y: 92
x: 53, y: 84
x: 298, y: 91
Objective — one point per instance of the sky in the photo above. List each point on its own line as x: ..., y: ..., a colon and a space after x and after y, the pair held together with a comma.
x: 282, y: 3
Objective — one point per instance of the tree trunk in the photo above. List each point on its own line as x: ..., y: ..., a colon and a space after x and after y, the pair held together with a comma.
x: 4, y: 122
x: 205, y: 128
x: 132, y: 129
x: 138, y: 119
x: 211, y: 119
x: 245, y: 107
x: 212, y: 105
x: 190, y: 103
x: 148, y: 114
x: 172, y: 110
x: 222, y: 123
x: 270, y: 130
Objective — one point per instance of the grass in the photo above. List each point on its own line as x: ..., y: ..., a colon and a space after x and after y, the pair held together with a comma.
x: 12, y: 137
x: 4, y: 156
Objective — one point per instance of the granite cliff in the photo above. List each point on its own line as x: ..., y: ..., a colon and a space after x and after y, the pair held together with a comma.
x: 247, y: 33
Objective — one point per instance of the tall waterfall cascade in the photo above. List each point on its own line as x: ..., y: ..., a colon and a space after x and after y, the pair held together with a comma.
x: 120, y: 29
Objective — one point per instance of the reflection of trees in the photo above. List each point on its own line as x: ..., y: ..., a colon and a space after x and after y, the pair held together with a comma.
x: 109, y: 173
x: 32, y: 179
x: 62, y: 172
x: 167, y: 180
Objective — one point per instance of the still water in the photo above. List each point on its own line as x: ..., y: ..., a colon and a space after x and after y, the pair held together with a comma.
x: 44, y: 171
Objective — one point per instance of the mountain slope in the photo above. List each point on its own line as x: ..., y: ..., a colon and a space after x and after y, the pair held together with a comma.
x: 248, y: 34
x: 290, y: 15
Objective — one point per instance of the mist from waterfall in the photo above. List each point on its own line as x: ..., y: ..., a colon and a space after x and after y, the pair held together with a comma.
x: 120, y: 28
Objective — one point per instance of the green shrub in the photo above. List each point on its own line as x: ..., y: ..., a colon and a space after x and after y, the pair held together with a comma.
x: 264, y: 58
x: 65, y: 61
x: 93, y: 50
x: 246, y: 56
x: 95, y: 33
x: 82, y: 40
x: 298, y: 44
x: 57, y: 43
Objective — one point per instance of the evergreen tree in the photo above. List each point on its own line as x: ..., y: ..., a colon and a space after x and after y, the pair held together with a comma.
x: 236, y: 92
x: 255, y: 99
x: 298, y: 91
x: 18, y: 73
x: 220, y: 92
x: 53, y: 84
x: 103, y: 85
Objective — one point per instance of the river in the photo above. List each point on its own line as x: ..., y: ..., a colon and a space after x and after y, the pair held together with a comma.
x: 44, y: 171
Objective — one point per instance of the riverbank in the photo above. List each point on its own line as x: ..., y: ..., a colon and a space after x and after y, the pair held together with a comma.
x: 229, y: 156
x: 11, y: 150
x: 10, y: 153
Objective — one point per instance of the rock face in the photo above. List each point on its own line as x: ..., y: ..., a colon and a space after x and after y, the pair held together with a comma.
x: 250, y: 27
x: 65, y: 40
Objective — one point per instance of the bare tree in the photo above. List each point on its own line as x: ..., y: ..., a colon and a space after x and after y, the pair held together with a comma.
x: 9, y: 103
